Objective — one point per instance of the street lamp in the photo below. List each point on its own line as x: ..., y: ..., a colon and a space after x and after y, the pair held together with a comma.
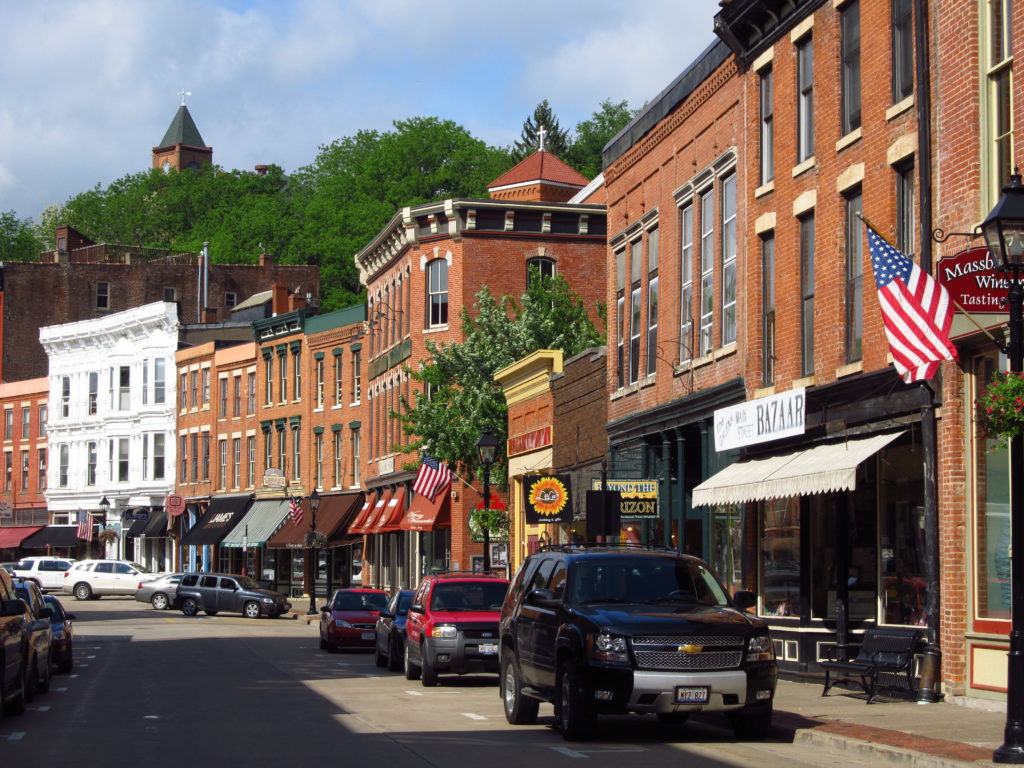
x: 314, y: 560
x: 487, y: 446
x: 1004, y: 233
x: 105, y: 509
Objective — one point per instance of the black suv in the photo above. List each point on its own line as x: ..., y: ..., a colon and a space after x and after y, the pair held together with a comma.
x: 613, y: 629
x: 14, y: 652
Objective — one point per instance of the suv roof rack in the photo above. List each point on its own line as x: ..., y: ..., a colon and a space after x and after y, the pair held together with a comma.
x: 625, y: 545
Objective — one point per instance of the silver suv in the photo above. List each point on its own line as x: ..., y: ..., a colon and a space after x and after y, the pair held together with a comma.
x: 216, y: 592
x: 91, y: 579
x: 47, y: 572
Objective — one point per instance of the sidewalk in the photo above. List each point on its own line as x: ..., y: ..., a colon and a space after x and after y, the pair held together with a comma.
x: 942, y: 735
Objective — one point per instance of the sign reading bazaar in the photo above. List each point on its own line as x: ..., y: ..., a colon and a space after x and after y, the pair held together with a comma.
x: 548, y: 499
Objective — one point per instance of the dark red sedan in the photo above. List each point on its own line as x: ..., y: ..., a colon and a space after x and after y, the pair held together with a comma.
x: 350, y: 617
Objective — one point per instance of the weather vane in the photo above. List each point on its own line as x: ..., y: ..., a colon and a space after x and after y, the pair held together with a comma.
x: 183, y: 93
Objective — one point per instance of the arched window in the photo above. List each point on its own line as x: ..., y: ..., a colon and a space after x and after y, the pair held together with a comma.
x: 437, y: 293
x: 539, y: 267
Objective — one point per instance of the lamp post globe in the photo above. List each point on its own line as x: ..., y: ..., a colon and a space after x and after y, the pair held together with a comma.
x: 487, y: 447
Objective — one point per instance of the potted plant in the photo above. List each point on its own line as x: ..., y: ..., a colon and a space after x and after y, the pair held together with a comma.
x: 1001, y: 407
x: 493, y: 518
x: 107, y: 536
x: 317, y: 540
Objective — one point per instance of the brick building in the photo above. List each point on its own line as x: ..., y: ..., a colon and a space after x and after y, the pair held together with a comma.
x: 23, y: 509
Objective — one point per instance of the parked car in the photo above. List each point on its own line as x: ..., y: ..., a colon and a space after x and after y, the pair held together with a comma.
x: 349, y: 618
x: 216, y: 592
x: 91, y: 579
x: 390, y: 631
x: 63, y: 634
x: 452, y: 626
x: 617, y: 629
x: 159, y: 592
x: 9, y: 567
x: 40, y: 644
x: 47, y: 572
x: 14, y: 645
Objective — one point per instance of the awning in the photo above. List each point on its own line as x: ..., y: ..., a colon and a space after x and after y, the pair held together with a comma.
x: 13, y: 536
x: 222, y: 516
x: 55, y: 536
x: 380, y: 509
x: 396, y: 511
x: 427, y: 515
x: 368, y: 506
x: 821, y: 469
x: 332, y: 519
x: 138, y: 526
x: 262, y: 521
x: 156, y: 526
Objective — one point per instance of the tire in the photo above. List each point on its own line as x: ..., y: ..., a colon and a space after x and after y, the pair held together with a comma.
x: 68, y: 663
x: 428, y: 675
x: 160, y: 601
x: 251, y: 610
x: 15, y: 705
x: 323, y: 644
x: 395, y: 654
x: 575, y: 713
x: 412, y: 671
x: 673, y: 718
x: 212, y: 613
x: 519, y: 709
x: 82, y: 591
x: 190, y: 606
x: 752, y: 724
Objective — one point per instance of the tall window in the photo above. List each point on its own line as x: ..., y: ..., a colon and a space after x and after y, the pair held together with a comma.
x: 268, y: 378
x: 250, y: 392
x: 767, y: 126
x: 236, y: 461
x: 635, y: 271
x: 905, y: 208
x: 357, y: 382
x: 282, y: 450
x: 223, y: 381
x: 193, y: 379
x: 123, y: 457
x: 206, y: 456
x: 159, y: 455
x: 319, y: 481
x: 8, y: 470
x: 94, y: 392
x: 183, y: 459
x: 999, y: 101
x: 195, y: 457
x: 65, y: 397
x: 183, y: 391
x: 805, y: 100
x: 8, y: 424
x: 337, y: 458
x: 24, y: 470
x: 902, y: 50
x: 437, y: 293
x: 729, y: 260
x: 768, y: 309
x: 268, y: 449
x: 539, y: 268
x: 807, y: 295
x: 41, y: 468
x: 297, y: 375
x: 42, y: 420
x: 159, y: 381
x: 338, y: 369
x: 145, y: 382
x: 90, y: 463
x: 124, y: 388
x: 356, y: 478
x: 236, y: 399
x: 223, y: 468
x: 102, y: 295
x: 686, y: 284
x: 854, y: 277
x: 62, y: 466
x: 250, y: 450
x: 652, y: 300
x: 26, y: 423
x: 849, y: 21
x: 707, y: 269
x: 296, y: 451
x: 282, y: 377
x: 320, y: 383
x: 620, y: 317
x: 206, y: 387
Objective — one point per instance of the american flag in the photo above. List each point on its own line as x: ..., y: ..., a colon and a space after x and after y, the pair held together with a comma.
x: 916, y: 311
x: 295, y: 510
x: 84, y: 525
x: 431, y: 477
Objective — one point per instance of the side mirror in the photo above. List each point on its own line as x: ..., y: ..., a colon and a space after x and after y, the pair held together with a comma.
x: 69, y: 617
x: 324, y: 608
x: 386, y: 615
x: 416, y: 608
x: 46, y: 613
x: 544, y: 598
x: 745, y: 599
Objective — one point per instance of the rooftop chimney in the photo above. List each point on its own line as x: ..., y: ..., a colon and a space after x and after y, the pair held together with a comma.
x: 279, y: 299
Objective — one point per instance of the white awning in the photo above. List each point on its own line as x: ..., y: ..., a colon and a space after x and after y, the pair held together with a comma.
x: 822, y: 469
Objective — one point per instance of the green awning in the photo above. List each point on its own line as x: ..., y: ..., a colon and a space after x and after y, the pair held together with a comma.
x: 261, y: 522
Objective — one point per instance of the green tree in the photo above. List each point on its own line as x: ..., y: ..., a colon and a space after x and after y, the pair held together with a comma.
x: 18, y: 238
x: 556, y: 139
x: 460, y: 377
x: 591, y: 136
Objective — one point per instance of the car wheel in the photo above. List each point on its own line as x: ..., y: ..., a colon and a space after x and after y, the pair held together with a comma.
x: 519, y: 709
x: 379, y: 659
x: 575, y: 715
x: 428, y: 674
x: 15, y: 704
x: 251, y: 610
x: 82, y: 591
x: 68, y: 662
x: 395, y: 654
x: 190, y: 606
x: 160, y: 601
x: 751, y: 724
x: 412, y: 671
x: 212, y: 613
x: 673, y: 718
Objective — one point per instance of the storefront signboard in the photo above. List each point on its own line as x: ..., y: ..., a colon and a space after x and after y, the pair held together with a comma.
x: 973, y: 280
x: 761, y: 420
x: 639, y: 498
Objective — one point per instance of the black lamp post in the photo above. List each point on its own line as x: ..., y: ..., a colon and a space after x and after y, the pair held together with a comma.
x: 314, y: 558
x: 1004, y: 233
x: 105, y: 508
x: 487, y: 446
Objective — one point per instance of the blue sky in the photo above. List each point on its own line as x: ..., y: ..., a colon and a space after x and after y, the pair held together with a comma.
x: 90, y: 86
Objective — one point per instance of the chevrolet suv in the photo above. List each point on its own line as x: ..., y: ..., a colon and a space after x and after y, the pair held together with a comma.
x: 452, y: 626
x: 615, y: 629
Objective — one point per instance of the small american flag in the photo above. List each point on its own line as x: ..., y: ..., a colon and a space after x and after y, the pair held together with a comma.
x: 84, y: 525
x: 295, y: 510
x: 431, y: 477
x: 916, y: 311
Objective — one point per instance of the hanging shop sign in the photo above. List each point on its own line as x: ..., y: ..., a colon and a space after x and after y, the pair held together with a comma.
x: 761, y: 420
x: 547, y: 499
x: 973, y: 280
x: 638, y: 498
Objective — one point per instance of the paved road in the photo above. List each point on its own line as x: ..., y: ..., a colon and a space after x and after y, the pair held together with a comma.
x: 158, y: 689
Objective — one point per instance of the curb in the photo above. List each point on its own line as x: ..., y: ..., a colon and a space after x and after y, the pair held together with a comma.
x: 889, y: 754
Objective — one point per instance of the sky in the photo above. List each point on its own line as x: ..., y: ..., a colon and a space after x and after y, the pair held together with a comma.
x: 90, y: 86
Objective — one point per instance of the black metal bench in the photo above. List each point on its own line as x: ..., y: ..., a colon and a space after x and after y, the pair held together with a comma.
x: 883, y: 651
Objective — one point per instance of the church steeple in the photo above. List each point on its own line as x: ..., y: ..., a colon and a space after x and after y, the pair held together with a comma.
x: 182, y: 146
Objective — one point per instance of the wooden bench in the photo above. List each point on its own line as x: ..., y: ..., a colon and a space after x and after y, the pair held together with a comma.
x: 884, y: 650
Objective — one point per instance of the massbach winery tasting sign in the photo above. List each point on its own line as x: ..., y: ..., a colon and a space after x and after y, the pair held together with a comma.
x: 974, y: 282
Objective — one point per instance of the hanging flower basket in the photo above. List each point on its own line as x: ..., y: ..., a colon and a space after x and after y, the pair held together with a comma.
x: 107, y: 536
x: 1001, y: 408
x: 493, y: 518
x: 316, y: 540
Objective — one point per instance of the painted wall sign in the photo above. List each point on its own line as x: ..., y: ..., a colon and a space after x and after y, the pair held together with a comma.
x: 973, y: 280
x: 529, y: 441
x: 761, y: 420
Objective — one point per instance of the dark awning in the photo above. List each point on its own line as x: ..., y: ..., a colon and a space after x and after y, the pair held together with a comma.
x: 156, y: 527
x: 138, y: 526
x: 332, y: 519
x: 11, y: 537
x: 55, y: 536
x: 223, y: 515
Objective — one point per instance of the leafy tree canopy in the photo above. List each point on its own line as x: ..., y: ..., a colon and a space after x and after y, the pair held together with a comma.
x: 19, y: 240
x: 592, y: 135
x: 556, y: 139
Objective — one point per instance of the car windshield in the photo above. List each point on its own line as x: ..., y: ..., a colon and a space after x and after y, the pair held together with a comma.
x: 645, y: 580
x: 468, y: 596
x: 404, y: 601
x: 246, y: 583
x: 58, y: 609
x: 360, y: 601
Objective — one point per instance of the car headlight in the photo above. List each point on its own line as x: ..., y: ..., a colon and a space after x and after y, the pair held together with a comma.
x: 267, y: 600
x: 606, y: 647
x: 342, y: 624
x: 443, y: 630
x: 760, y: 648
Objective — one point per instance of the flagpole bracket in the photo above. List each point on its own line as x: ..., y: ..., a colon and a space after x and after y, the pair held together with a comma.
x: 939, y: 235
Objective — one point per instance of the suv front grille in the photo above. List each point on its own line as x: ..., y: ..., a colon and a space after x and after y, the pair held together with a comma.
x: 489, y: 633
x: 666, y: 651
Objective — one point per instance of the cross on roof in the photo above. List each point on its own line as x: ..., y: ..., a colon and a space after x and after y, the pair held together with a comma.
x: 183, y: 93
x: 541, y: 133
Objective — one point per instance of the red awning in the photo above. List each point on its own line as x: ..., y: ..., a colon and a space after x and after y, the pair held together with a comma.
x: 396, y: 511
x: 360, y: 521
x: 12, y: 537
x: 427, y: 515
x: 379, y: 512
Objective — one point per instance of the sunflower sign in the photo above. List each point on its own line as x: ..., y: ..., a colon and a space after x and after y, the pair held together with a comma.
x: 548, y: 499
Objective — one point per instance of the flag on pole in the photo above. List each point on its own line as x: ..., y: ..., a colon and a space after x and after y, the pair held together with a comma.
x: 295, y: 510
x: 916, y: 311
x: 84, y: 525
x: 431, y: 477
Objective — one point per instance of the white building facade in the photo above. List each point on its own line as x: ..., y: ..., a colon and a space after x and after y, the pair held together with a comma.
x: 111, y: 426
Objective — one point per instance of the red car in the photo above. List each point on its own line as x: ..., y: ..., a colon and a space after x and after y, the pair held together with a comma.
x: 349, y: 619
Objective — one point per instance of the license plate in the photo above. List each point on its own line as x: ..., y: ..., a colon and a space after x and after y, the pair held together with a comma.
x: 686, y: 694
x: 368, y: 635
x: 487, y: 648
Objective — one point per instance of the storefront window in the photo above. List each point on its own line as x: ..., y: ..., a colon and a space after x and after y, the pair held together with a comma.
x: 780, y: 550
x: 901, y: 533
x: 727, y: 546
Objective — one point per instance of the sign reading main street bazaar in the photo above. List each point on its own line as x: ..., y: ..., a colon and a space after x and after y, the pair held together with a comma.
x: 639, y: 498
x: 548, y: 499
x: 973, y: 281
x: 761, y: 420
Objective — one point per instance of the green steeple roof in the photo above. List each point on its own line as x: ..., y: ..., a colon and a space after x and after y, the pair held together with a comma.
x: 182, y: 131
